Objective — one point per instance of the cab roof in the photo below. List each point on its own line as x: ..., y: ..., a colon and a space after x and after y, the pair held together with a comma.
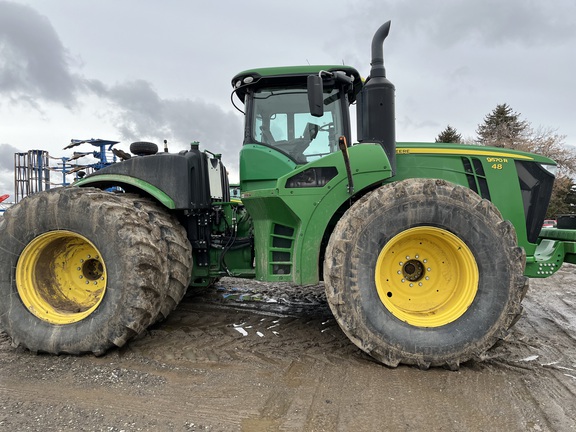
x: 289, y: 75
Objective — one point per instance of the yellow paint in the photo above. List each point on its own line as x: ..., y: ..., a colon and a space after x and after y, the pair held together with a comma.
x: 426, y: 276
x: 61, y: 277
x: 461, y: 152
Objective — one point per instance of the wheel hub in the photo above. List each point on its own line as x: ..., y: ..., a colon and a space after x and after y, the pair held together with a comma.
x: 92, y: 269
x: 413, y: 270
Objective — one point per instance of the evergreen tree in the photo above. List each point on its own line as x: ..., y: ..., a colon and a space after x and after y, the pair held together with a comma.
x: 449, y: 135
x: 502, y: 128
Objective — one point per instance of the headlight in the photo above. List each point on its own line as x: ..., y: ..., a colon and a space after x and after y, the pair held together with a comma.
x: 552, y: 169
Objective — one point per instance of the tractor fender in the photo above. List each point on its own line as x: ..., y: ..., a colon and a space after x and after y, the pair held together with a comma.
x: 180, y: 181
x: 125, y: 181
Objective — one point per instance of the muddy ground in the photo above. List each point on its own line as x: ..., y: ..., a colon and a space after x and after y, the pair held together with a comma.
x: 247, y: 357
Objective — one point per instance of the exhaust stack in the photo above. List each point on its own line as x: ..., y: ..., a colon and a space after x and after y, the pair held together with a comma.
x: 376, y: 117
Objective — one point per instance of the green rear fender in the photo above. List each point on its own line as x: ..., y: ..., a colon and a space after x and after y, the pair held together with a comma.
x: 106, y: 181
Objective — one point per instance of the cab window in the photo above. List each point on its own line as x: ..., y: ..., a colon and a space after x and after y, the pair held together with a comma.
x: 281, y: 119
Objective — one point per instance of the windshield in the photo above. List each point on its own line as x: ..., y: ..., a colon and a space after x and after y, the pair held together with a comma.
x: 281, y: 119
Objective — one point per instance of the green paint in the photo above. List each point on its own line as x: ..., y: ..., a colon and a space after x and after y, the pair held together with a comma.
x: 109, y: 180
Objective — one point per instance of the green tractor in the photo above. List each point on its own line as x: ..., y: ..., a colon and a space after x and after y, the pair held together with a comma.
x: 425, y: 250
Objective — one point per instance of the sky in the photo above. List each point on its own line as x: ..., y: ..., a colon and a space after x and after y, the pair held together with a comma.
x: 144, y: 70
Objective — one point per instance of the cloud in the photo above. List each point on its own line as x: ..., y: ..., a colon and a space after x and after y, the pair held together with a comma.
x: 196, y: 120
x: 140, y: 113
x: 140, y: 109
x: 35, y: 68
x: 7, y: 157
x: 436, y: 26
x: 7, y: 168
x: 33, y: 61
x: 7, y: 185
x: 490, y: 23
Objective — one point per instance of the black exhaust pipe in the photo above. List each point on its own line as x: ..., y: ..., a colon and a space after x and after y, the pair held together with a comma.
x: 375, y: 107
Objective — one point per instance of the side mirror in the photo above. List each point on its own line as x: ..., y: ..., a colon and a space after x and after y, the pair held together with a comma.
x: 315, y: 95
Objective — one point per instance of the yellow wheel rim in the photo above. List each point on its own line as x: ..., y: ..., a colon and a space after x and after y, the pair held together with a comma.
x: 61, y: 277
x: 426, y: 276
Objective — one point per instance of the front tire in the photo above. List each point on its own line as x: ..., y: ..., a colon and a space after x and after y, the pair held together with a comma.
x: 424, y: 272
x: 82, y: 270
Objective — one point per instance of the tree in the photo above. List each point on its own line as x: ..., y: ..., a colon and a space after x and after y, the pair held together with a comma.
x: 502, y: 128
x: 563, y: 196
x: 449, y: 135
x: 547, y: 142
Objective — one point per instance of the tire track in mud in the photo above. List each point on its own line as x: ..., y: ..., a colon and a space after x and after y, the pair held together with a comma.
x: 542, y: 349
x: 302, y: 341
x: 545, y: 335
x: 101, y: 407
x: 545, y: 402
x: 304, y: 402
x: 208, y: 332
x: 251, y: 366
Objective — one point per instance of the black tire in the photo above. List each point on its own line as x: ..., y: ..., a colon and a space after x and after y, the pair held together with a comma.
x: 129, y: 259
x: 143, y: 148
x: 179, y: 253
x: 456, y: 228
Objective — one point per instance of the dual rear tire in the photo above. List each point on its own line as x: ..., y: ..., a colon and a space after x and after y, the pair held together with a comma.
x: 84, y: 270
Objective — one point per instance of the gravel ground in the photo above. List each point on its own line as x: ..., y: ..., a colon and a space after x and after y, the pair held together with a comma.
x: 249, y: 356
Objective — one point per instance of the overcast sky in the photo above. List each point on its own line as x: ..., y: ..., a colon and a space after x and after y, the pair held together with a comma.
x: 148, y: 70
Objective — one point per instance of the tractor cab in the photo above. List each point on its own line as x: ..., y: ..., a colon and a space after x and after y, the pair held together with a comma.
x: 296, y: 115
x: 280, y: 132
